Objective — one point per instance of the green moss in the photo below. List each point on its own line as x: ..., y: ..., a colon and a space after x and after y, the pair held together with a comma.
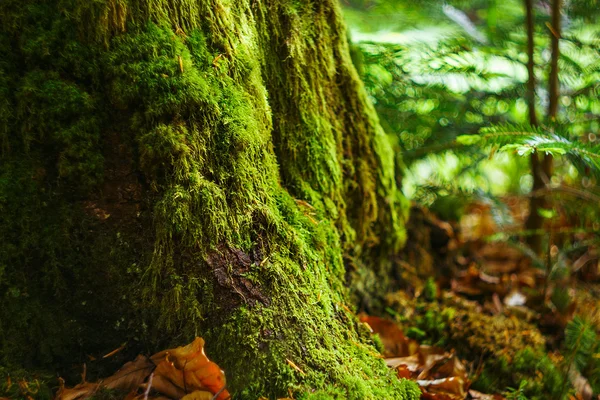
x: 544, y: 377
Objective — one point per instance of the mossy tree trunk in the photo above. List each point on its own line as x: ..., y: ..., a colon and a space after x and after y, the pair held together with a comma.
x: 173, y: 168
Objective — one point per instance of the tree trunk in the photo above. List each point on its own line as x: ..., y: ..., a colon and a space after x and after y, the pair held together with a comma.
x: 553, y: 84
x: 542, y: 165
x: 173, y: 168
x: 534, y: 220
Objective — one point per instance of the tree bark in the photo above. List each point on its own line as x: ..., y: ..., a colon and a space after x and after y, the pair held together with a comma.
x: 174, y: 168
x: 555, y: 33
x: 553, y: 84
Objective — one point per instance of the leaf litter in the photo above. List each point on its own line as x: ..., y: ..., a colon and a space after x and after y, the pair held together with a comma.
x: 181, y: 373
x: 439, y: 374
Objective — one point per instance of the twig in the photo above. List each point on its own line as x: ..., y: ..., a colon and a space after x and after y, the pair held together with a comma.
x: 115, y: 351
x: 291, y: 364
x: 147, y: 392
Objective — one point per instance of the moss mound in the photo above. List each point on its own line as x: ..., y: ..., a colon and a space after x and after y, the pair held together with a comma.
x: 504, y: 350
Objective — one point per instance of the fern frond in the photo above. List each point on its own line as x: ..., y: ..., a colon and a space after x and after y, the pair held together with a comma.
x: 580, y: 341
x: 569, y: 64
x: 591, y: 89
x: 575, y: 40
x: 527, y: 139
x: 593, y: 68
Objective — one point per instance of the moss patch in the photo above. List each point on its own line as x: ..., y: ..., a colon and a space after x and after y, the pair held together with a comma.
x: 506, y: 349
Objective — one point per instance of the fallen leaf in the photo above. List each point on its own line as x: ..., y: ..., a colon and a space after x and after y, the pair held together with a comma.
x: 403, y: 372
x: 166, y: 387
x: 184, y: 372
x: 580, y: 383
x: 131, y: 375
x: 411, y: 363
x: 189, y: 368
x: 451, y: 387
x: 441, y: 375
x: 81, y: 391
x: 395, y: 343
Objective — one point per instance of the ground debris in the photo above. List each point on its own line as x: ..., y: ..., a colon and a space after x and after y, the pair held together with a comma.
x: 181, y: 373
x: 439, y: 374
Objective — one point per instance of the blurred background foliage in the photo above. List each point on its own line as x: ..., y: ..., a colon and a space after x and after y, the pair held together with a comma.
x: 449, y: 81
x: 438, y: 70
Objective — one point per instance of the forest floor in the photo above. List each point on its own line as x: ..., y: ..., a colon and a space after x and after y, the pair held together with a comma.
x: 475, y: 316
x: 483, y: 317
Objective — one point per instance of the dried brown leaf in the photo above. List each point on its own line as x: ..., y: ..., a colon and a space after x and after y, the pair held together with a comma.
x: 411, y: 363
x: 188, y: 368
x: 441, y: 375
x: 392, y: 337
x: 453, y: 387
x: 131, y: 375
x: 177, y: 373
x: 79, y: 392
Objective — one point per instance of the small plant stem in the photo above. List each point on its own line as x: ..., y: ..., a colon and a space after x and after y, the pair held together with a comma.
x: 548, y: 267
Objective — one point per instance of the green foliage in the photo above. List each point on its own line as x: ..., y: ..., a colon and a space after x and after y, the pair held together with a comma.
x: 63, y: 118
x: 552, y: 381
x: 536, y: 375
x: 431, y: 325
x: 517, y: 394
x: 526, y: 139
x: 448, y: 89
x: 431, y: 87
x: 581, y: 348
x: 430, y: 289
